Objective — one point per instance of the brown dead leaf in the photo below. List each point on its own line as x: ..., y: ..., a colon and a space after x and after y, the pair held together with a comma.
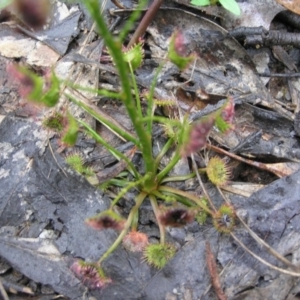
x: 292, y: 5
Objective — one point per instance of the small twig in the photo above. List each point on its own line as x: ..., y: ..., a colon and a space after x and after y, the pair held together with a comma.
x: 212, y: 268
x: 256, y: 164
x: 147, y: 19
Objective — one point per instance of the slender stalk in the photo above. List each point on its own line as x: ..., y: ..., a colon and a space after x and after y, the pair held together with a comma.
x: 186, y: 195
x: 150, y: 107
x: 163, y: 151
x: 129, y: 220
x: 162, y: 120
x: 166, y: 197
x: 126, y: 189
x: 155, y: 208
x: 177, y: 155
x: 117, y: 153
x: 136, y: 92
x: 117, y: 182
x: 119, y: 131
x: 145, y: 138
x: 170, y: 166
x: 182, y: 177
x: 135, y: 221
x: 202, y: 185
x: 260, y: 241
x: 296, y: 274
x: 102, y: 92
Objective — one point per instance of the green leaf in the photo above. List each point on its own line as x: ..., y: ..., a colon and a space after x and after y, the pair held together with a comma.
x: 231, y: 5
x: 200, y: 2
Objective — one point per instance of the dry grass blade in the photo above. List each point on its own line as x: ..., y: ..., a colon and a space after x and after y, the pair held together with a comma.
x: 262, y: 260
x: 212, y: 268
x: 269, y: 248
x: 263, y: 244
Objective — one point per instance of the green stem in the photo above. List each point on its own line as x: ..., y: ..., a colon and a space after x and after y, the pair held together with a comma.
x: 114, y: 46
x: 180, y: 137
x: 136, y: 92
x: 166, y: 197
x: 101, y: 92
x: 129, y: 220
x: 170, y: 166
x: 160, y: 226
x: 135, y: 220
x: 116, y: 153
x: 182, y: 177
x: 186, y: 195
x: 163, y: 151
x: 119, y: 131
x: 117, y: 182
x: 150, y: 107
x: 162, y: 120
x: 126, y: 189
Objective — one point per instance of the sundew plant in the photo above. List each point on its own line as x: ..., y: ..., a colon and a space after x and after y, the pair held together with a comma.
x: 172, y: 207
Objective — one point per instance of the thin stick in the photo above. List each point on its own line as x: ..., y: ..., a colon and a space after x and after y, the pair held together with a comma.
x: 147, y: 19
x: 266, y: 167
